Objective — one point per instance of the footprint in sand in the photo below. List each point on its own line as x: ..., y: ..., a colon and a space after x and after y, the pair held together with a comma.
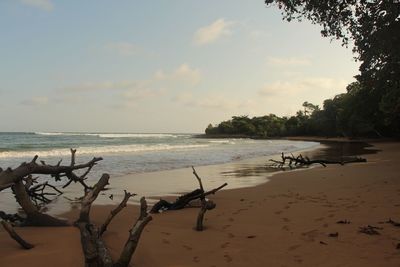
x: 325, y: 225
x: 231, y: 220
x: 225, y: 245
x: 278, y: 212
x: 298, y: 259
x: 165, y: 241
x: 286, y: 219
x: 226, y: 226
x: 291, y: 248
x: 285, y: 227
x: 187, y: 247
x: 251, y: 236
x: 228, y: 258
x: 331, y: 215
x: 196, y: 259
x: 230, y: 235
x: 165, y: 233
x: 310, y: 235
x: 319, y: 219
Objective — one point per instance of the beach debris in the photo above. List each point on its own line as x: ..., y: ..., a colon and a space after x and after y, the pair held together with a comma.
x: 94, y: 248
x: 10, y: 230
x: 398, y: 246
x: 323, y: 243
x: 14, y: 218
x: 390, y: 221
x: 111, y: 196
x: 336, y: 234
x: 343, y: 222
x: 29, y: 196
x: 205, y: 204
x: 115, y: 211
x: 370, y: 230
x: 184, y: 200
x: 251, y: 236
x: 300, y: 161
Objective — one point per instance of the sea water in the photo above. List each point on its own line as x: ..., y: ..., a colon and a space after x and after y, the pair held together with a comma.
x: 128, y: 153
x: 134, y: 159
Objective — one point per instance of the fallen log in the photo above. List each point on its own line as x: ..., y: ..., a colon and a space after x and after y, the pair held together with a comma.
x: 27, y: 195
x: 183, y: 201
x: 300, y: 161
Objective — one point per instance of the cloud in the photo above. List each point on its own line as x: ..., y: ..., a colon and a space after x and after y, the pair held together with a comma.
x: 36, y: 101
x: 211, y: 33
x: 123, y: 48
x: 184, y: 73
x: 214, y: 101
x: 288, y: 62
x: 46, y: 5
x: 319, y: 85
x: 106, y: 85
x: 141, y: 93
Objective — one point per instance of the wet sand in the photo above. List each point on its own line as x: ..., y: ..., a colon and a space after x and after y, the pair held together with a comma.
x: 285, y: 222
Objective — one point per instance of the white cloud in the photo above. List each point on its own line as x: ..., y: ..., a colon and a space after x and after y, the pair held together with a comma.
x: 184, y: 73
x: 213, y: 101
x: 36, y: 101
x: 141, y: 93
x: 288, y: 62
x: 211, y: 33
x: 123, y: 48
x: 304, y: 87
x: 106, y: 85
x: 46, y: 5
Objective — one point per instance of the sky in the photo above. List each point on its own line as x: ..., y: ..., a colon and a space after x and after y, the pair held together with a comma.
x: 158, y: 66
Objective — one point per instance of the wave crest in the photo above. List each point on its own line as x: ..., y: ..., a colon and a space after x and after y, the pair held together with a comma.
x: 98, y: 150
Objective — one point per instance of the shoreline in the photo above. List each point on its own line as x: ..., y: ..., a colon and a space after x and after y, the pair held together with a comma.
x: 285, y: 219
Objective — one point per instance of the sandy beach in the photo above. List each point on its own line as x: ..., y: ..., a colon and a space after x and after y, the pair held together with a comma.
x: 284, y: 222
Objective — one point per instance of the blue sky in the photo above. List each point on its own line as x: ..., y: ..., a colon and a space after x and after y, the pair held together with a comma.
x: 158, y: 66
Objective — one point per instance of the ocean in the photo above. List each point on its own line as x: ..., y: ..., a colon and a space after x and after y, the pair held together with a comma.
x: 134, y: 159
x: 128, y: 153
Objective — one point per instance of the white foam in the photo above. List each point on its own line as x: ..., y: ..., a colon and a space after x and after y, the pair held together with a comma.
x: 98, y: 151
x: 113, y: 135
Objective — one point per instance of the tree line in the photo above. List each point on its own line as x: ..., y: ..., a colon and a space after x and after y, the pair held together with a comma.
x: 371, y: 105
x: 351, y: 114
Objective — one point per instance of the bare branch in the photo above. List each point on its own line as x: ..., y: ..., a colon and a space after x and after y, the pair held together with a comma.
x: 115, y: 211
x: 10, y: 230
x: 134, y: 235
x: 198, y: 179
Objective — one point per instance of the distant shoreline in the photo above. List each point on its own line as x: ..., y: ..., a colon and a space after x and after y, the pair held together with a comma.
x: 300, y: 138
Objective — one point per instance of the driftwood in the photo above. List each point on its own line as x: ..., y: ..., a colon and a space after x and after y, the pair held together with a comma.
x: 95, y: 251
x: 30, y: 196
x: 205, y: 204
x: 134, y: 235
x: 21, y: 181
x: 10, y: 230
x: 370, y: 230
x: 115, y: 211
x: 184, y: 200
x: 14, y: 218
x: 300, y: 161
x: 390, y: 221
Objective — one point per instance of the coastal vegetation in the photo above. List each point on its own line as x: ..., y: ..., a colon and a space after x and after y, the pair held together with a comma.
x: 371, y: 105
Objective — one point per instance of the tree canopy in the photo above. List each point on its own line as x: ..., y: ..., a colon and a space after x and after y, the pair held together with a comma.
x: 373, y: 28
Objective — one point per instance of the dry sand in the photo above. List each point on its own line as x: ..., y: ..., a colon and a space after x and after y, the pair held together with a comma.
x: 279, y: 223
